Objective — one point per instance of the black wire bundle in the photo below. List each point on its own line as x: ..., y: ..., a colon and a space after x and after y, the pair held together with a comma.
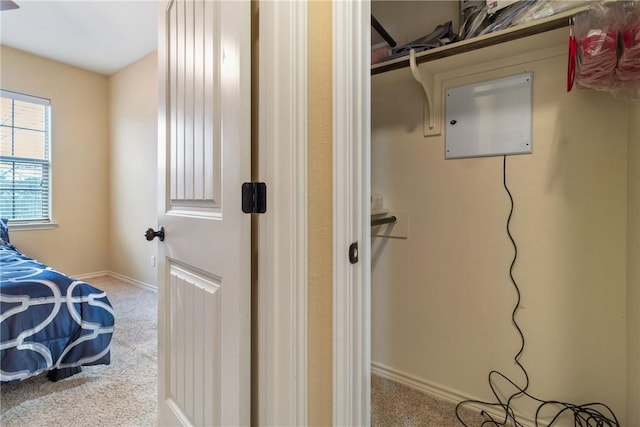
x: 586, y: 415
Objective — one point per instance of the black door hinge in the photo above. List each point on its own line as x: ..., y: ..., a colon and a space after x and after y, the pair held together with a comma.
x: 254, y: 197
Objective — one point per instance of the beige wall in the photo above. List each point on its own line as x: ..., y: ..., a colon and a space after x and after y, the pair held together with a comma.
x: 320, y: 137
x: 80, y: 161
x: 633, y: 268
x: 442, y: 299
x: 133, y: 169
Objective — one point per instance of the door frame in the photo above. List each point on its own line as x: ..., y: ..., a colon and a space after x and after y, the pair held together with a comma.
x: 282, y: 236
x: 351, y: 212
x: 282, y: 285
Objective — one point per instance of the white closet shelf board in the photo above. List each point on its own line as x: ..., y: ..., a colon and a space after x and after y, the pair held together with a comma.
x: 388, y: 81
x: 521, y: 33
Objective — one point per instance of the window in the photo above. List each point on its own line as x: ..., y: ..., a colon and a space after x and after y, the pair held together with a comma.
x: 24, y: 157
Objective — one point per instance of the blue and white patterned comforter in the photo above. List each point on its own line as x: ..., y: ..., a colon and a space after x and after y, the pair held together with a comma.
x: 48, y: 320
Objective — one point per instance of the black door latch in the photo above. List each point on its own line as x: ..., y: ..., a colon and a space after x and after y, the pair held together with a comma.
x: 353, y: 253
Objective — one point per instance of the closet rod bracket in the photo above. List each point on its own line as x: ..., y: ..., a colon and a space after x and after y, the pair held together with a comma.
x: 427, y: 92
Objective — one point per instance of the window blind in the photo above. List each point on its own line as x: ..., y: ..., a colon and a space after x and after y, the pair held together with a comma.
x: 25, y: 165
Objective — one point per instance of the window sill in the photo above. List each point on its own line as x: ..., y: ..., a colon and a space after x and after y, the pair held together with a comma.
x: 32, y: 226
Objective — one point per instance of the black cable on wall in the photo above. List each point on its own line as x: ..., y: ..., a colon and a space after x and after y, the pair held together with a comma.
x: 585, y: 415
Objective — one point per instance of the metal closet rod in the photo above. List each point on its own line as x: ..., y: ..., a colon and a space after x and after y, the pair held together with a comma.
x: 386, y: 220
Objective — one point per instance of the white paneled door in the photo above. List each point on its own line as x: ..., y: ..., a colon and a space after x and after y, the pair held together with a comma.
x: 204, y: 260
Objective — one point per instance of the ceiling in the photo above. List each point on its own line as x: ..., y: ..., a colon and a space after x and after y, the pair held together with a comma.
x: 103, y: 36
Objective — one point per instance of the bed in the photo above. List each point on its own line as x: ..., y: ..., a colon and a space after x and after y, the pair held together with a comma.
x: 48, y: 321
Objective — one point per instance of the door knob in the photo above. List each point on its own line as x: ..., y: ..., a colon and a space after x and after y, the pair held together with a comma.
x: 150, y: 234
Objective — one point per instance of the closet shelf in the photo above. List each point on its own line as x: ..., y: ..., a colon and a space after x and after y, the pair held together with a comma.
x: 548, y: 24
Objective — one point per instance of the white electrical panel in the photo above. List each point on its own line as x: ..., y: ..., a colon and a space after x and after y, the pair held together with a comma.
x: 490, y: 118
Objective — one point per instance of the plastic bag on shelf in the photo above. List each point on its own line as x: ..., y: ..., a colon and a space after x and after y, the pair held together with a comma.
x: 506, y: 17
x: 627, y: 84
x: 596, y: 33
x: 473, y: 17
x: 478, y: 20
x: 442, y: 35
x: 629, y: 62
x: 469, y: 6
x: 544, y: 8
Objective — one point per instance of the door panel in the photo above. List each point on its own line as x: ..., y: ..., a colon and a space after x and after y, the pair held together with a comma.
x: 195, y: 122
x: 204, y: 261
x: 195, y: 320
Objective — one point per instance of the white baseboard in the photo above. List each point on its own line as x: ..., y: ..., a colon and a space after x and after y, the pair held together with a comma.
x: 91, y: 275
x: 132, y: 281
x: 118, y: 276
x: 442, y: 392
x: 417, y: 383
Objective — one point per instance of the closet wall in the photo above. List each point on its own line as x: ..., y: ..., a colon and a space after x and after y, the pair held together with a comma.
x: 633, y: 267
x: 442, y: 298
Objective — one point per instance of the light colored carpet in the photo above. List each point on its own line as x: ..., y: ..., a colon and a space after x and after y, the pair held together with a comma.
x: 120, y: 394
x: 124, y: 393
x: 396, y: 405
